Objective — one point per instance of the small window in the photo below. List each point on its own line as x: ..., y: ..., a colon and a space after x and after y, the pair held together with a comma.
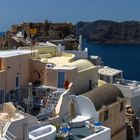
x: 17, y: 94
x: 121, y: 106
x: 0, y: 64
x: 2, y: 96
x: 106, y: 115
x: 90, y: 84
x: 34, y: 93
x: 61, y: 79
x: 17, y: 80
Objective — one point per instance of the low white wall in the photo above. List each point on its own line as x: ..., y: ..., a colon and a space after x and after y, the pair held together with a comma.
x: 86, y: 107
x: 103, y: 135
x: 43, y: 133
x: 79, y: 54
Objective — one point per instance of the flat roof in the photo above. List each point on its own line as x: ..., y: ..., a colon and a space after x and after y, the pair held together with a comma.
x: 59, y: 61
x: 109, y: 71
x: 11, y: 53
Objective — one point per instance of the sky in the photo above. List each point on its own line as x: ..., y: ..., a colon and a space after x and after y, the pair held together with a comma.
x: 19, y: 11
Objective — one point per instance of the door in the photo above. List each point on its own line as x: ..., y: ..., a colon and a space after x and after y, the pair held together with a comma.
x: 17, y: 81
x: 2, y: 96
x: 17, y: 91
x: 61, y: 78
x: 90, y: 84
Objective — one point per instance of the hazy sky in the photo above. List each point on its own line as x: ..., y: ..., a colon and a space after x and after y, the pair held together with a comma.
x: 18, y: 11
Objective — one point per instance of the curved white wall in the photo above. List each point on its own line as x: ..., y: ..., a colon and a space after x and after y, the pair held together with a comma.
x: 86, y: 107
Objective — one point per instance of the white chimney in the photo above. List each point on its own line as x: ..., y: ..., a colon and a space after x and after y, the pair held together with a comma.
x: 80, y: 43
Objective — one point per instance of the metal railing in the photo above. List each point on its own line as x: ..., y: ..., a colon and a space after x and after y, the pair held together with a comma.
x: 5, y: 127
x: 125, y: 82
x: 4, y: 131
x: 10, y: 136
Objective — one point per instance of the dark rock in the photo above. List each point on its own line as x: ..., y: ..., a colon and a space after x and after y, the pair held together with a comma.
x: 110, y: 32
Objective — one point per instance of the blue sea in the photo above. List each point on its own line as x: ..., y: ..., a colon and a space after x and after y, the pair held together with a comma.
x: 1, y: 34
x: 124, y: 57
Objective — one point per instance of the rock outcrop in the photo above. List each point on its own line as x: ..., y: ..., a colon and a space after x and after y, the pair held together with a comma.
x: 26, y: 34
x: 110, y: 32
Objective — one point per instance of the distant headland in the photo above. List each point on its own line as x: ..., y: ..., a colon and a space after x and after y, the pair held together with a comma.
x: 110, y: 32
x: 99, y: 32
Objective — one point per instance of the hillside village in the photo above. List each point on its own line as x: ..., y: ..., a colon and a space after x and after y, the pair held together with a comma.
x: 26, y: 34
x: 51, y: 89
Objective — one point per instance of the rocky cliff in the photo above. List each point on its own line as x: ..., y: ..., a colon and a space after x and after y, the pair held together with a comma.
x: 110, y: 32
x: 44, y: 31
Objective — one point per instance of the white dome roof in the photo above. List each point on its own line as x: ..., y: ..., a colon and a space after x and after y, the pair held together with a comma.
x: 82, y: 64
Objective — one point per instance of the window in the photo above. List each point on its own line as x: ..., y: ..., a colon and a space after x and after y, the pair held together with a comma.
x: 90, y: 84
x: 101, y: 76
x: 106, y: 115
x: 17, y: 91
x: 0, y: 64
x: 17, y: 80
x: 105, y: 78
x: 61, y: 79
x: 2, y: 96
x: 12, y: 96
x: 17, y: 95
x: 121, y: 106
x: 118, y: 76
x: 34, y: 93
